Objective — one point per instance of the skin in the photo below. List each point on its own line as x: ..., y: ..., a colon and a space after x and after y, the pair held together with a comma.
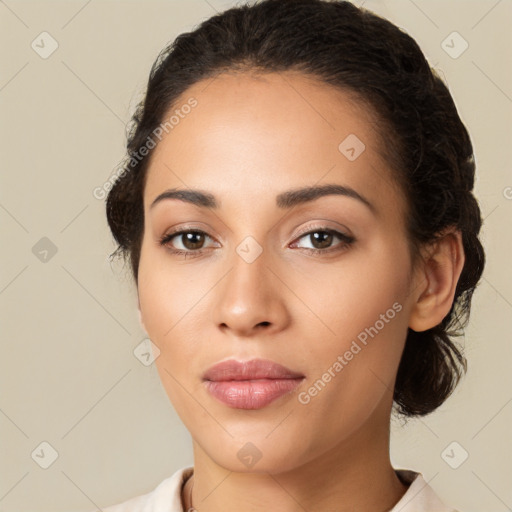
x: 250, y: 138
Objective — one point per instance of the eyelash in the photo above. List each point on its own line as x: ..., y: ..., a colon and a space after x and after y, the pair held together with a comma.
x: 346, y: 242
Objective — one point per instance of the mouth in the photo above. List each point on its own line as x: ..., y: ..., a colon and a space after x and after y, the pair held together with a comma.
x: 250, y: 384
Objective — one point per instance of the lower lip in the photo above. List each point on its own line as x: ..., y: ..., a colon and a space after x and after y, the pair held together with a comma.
x: 251, y: 394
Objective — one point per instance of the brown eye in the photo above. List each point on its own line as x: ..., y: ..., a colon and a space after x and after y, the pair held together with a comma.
x: 192, y: 240
x: 321, y: 239
x: 324, y: 240
x: 183, y: 241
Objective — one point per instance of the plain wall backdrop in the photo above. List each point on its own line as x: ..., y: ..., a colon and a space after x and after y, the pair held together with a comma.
x: 71, y: 74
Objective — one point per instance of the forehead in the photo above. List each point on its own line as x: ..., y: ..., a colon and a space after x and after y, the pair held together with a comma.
x: 259, y: 134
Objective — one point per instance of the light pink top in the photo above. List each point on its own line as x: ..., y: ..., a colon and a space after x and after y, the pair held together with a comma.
x: 166, y: 497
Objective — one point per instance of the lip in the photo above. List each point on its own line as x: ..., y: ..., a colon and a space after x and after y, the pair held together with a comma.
x: 247, y: 370
x: 250, y: 384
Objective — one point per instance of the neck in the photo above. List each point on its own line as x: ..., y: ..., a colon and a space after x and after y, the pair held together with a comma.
x: 356, y: 474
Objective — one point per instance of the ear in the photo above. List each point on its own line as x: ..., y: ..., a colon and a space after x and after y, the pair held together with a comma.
x: 437, y: 277
x: 141, y: 322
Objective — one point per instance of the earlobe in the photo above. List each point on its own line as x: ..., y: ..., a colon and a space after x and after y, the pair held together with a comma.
x: 141, y: 322
x: 440, y: 272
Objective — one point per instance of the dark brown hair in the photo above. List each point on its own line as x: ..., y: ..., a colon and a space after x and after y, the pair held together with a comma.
x: 359, y: 52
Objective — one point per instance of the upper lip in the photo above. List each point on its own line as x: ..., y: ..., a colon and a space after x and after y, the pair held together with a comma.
x: 248, y: 370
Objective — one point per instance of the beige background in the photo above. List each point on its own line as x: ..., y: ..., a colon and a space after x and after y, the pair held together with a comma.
x: 69, y: 325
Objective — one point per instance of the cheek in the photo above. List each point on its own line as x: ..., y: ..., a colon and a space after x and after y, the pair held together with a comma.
x: 343, y: 299
x: 167, y: 293
x: 353, y: 343
x: 167, y: 306
x: 175, y: 315
x: 171, y: 318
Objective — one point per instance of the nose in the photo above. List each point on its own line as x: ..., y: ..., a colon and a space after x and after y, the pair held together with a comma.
x: 250, y: 300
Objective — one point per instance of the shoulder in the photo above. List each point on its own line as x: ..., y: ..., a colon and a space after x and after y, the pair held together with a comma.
x: 420, y: 496
x: 166, y: 497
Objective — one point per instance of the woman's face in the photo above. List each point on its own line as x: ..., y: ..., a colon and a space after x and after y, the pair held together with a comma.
x: 337, y: 317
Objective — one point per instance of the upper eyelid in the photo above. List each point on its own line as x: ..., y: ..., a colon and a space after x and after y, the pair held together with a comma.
x: 324, y: 224
x: 313, y: 229
x: 305, y: 231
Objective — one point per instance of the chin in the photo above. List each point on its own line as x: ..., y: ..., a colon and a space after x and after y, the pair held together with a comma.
x: 259, y: 455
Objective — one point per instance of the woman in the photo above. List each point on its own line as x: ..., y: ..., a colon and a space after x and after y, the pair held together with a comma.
x: 296, y: 206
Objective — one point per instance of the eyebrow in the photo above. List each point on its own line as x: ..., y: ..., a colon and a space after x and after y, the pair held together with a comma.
x: 284, y: 200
